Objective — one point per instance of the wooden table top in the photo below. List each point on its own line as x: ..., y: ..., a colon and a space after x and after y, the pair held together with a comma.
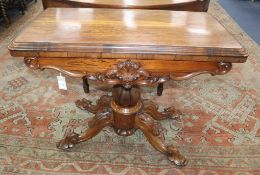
x: 72, y: 30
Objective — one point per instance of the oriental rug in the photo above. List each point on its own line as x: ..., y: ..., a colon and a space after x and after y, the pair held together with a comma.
x: 219, y: 129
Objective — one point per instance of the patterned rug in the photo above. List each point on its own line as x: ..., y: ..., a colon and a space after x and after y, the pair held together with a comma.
x: 219, y: 130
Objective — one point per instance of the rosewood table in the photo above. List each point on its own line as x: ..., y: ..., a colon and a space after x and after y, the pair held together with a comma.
x: 127, y: 49
x: 178, y: 5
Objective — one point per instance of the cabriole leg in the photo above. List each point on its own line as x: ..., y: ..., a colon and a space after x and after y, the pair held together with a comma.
x: 102, y: 119
x: 146, y: 123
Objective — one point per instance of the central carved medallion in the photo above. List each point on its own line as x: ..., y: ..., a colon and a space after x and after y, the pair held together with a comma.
x: 127, y: 73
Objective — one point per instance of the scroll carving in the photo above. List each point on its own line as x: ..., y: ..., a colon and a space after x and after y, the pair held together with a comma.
x: 128, y: 73
x: 223, y: 68
x: 152, y: 126
x: 32, y: 62
x: 104, y: 114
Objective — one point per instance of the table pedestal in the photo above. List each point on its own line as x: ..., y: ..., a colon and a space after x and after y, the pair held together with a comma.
x: 125, y: 112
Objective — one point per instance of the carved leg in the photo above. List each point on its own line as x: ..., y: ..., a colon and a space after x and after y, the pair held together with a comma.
x: 85, y: 84
x: 102, y: 119
x: 85, y: 104
x: 146, y: 123
x: 160, y: 89
x: 152, y: 109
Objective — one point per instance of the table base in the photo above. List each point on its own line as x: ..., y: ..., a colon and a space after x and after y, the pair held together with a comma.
x: 125, y: 112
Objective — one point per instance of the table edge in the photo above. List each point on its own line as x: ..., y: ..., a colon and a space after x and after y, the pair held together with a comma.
x: 125, y: 49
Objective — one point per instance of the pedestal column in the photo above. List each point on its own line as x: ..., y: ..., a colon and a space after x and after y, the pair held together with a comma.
x: 126, y: 103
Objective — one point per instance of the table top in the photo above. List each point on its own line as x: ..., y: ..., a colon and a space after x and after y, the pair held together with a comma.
x: 118, y: 31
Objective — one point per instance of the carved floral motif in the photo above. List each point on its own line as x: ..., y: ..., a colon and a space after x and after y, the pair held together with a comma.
x: 128, y: 73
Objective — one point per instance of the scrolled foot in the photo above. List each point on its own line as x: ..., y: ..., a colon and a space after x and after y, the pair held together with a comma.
x: 175, y: 156
x: 69, y: 141
x: 170, y: 151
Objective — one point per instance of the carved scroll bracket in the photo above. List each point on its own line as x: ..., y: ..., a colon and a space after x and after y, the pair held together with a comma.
x: 129, y: 73
x: 222, y: 68
x: 33, y: 63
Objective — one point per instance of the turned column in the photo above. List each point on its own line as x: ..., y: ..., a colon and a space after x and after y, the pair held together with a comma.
x: 126, y: 103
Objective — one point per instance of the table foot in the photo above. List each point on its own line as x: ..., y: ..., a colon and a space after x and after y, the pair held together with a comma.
x: 152, y: 109
x: 148, y: 126
x: 103, y: 118
x: 175, y: 156
x: 69, y: 141
x: 87, y: 104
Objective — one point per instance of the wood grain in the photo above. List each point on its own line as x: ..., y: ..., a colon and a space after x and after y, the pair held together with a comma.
x: 103, y: 65
x: 107, y: 33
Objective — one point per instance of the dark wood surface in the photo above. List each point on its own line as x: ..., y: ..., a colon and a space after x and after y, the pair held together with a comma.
x: 141, y: 34
x: 177, y: 5
x: 181, y: 5
x: 127, y: 49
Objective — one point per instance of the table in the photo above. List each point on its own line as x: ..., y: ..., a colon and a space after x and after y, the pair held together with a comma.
x: 178, y: 5
x: 182, y: 5
x: 127, y: 49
